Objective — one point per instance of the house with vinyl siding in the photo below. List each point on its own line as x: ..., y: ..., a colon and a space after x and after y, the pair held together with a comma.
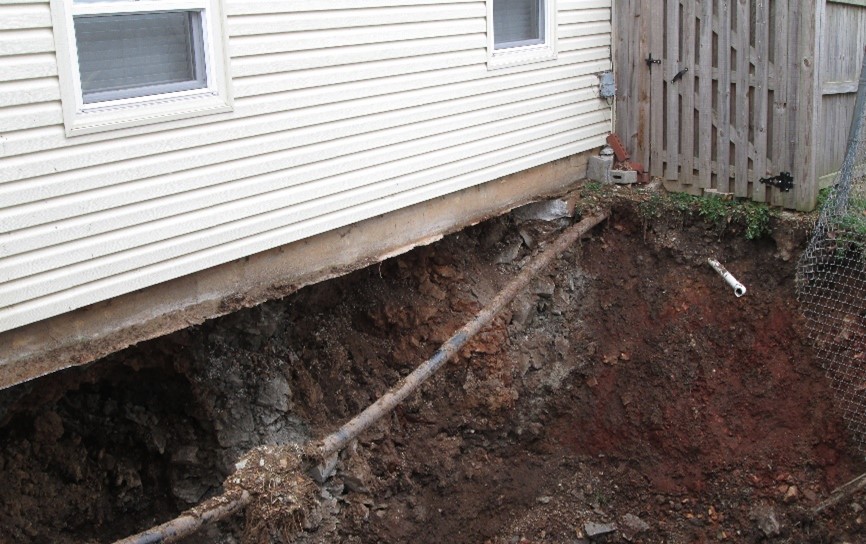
x: 166, y: 161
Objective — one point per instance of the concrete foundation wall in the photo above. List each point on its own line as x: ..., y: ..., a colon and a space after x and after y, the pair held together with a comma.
x: 86, y: 334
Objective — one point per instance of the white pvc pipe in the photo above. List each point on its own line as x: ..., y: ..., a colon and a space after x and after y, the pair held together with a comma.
x: 739, y: 288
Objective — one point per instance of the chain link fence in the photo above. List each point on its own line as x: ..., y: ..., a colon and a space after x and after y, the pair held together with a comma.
x: 831, y: 279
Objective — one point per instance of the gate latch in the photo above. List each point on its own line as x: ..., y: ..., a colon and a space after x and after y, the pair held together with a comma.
x: 784, y: 181
x: 650, y: 61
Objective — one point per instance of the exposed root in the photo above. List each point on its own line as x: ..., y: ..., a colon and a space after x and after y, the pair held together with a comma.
x: 841, y: 493
x: 284, y: 498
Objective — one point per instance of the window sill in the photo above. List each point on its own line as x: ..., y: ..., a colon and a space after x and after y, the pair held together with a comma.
x: 506, y: 58
x: 101, y: 118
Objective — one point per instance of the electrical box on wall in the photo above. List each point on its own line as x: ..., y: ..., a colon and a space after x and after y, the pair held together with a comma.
x: 607, y: 85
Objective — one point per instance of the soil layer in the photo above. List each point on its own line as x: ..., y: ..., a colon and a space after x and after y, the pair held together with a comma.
x: 628, y: 395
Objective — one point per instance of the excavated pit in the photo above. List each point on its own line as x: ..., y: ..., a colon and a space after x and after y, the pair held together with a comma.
x: 626, y: 388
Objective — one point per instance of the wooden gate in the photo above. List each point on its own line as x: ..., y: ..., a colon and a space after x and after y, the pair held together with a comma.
x: 841, y: 57
x: 718, y: 94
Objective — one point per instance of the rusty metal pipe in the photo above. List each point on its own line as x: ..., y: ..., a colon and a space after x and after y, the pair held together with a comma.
x: 221, y: 507
x: 210, y: 511
x: 338, y: 440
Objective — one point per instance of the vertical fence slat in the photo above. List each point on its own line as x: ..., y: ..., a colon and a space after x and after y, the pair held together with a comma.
x: 741, y: 119
x: 685, y: 87
x: 762, y: 76
x: 625, y: 35
x: 792, y: 74
x: 723, y: 145
x: 643, y: 8
x: 705, y: 101
x: 780, y: 156
x: 656, y: 140
x: 809, y: 98
x: 672, y: 117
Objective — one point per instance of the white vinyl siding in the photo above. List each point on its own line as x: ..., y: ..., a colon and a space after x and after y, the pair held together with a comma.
x: 344, y: 110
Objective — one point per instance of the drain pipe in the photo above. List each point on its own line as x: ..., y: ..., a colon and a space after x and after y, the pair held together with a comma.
x: 739, y: 288
x: 326, y: 450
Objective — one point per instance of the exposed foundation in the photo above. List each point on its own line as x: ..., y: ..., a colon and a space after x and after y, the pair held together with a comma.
x: 84, y: 335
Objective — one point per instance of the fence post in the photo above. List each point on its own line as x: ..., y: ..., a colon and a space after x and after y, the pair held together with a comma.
x: 809, y: 100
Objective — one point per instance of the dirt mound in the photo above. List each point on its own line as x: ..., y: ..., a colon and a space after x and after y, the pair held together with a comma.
x: 626, y: 396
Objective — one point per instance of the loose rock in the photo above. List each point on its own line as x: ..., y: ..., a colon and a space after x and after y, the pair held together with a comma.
x: 631, y: 526
x: 593, y: 529
x: 766, y: 519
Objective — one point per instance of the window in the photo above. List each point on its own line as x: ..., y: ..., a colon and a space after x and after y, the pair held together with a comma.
x: 520, y: 32
x: 126, y: 63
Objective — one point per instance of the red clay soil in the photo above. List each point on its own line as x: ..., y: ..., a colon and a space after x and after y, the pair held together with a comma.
x: 628, y: 396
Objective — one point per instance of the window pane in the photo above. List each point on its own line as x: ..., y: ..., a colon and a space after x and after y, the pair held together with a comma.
x: 517, y: 23
x: 140, y: 54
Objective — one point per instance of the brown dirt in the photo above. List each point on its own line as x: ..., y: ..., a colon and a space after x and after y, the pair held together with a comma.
x: 627, y: 386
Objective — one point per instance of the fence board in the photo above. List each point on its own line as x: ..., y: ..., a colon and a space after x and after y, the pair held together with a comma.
x: 780, y: 156
x: 686, y: 90
x: 761, y: 88
x: 656, y: 137
x: 704, y: 71
x: 723, y: 145
x: 741, y: 109
x: 624, y: 58
x: 809, y: 104
x: 672, y: 115
x: 644, y: 7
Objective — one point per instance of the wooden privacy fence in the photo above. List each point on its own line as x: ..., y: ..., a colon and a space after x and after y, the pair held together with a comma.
x: 718, y: 94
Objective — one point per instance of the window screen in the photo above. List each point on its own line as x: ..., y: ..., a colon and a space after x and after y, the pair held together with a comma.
x: 517, y: 23
x: 141, y: 54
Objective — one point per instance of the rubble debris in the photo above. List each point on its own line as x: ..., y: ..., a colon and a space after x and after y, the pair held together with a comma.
x: 594, y: 530
x: 766, y: 519
x: 631, y: 526
x: 546, y: 210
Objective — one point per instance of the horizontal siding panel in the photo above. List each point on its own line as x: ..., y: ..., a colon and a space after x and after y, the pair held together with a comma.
x: 15, y: 17
x: 585, y: 29
x: 23, y: 42
x: 583, y: 16
x: 438, y: 118
x: 268, y: 82
x: 300, y: 41
x: 587, y: 60
x: 245, y: 7
x: 276, y: 23
x: 574, y: 5
x: 376, y: 163
x: 33, y: 91
x: 21, y: 217
x: 27, y: 67
x: 273, y: 83
x: 338, y: 56
x: 574, y: 50
x: 31, y: 115
x: 47, y: 306
x: 397, y: 75
x: 540, y: 138
x: 219, y: 146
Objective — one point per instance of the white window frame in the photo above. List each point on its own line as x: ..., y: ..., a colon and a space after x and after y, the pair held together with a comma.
x: 527, y: 54
x: 80, y: 118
